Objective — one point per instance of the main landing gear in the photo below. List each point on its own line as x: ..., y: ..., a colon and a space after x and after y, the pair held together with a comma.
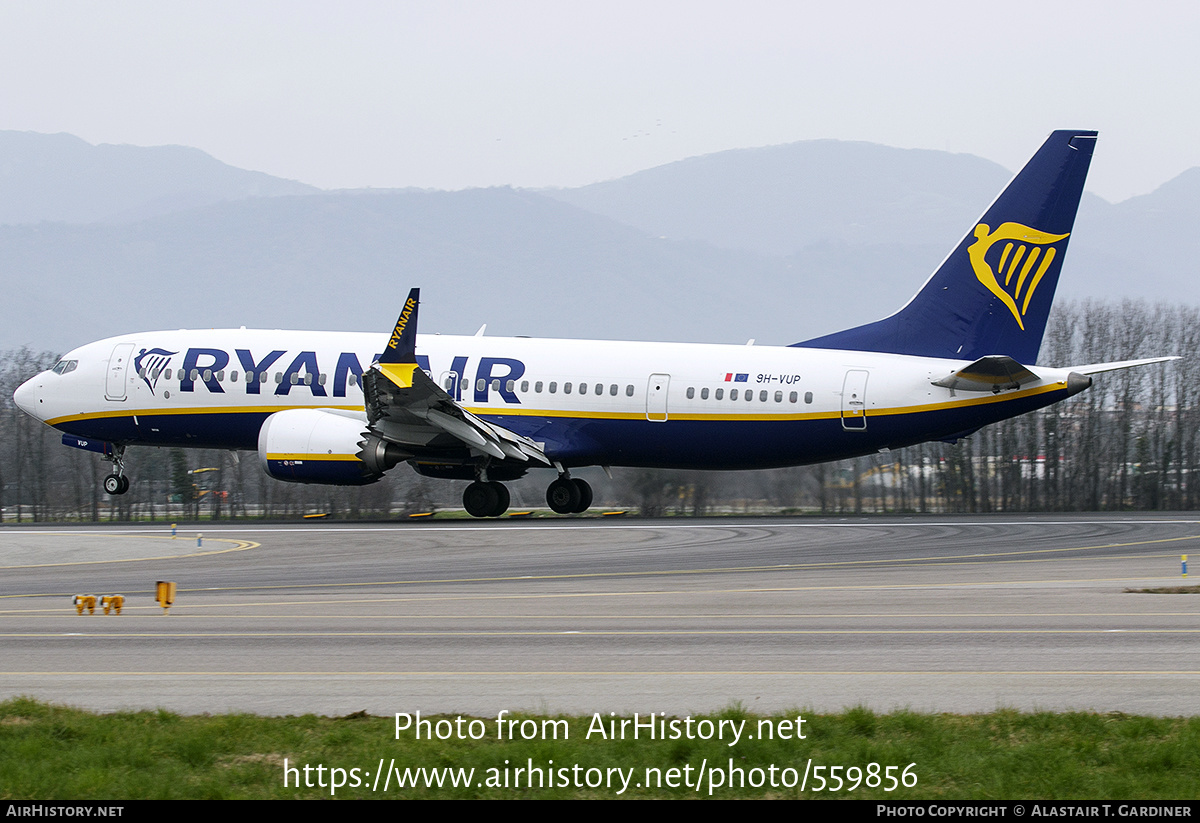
x: 569, y: 495
x: 117, y: 482
x: 488, y: 498
x: 485, y: 498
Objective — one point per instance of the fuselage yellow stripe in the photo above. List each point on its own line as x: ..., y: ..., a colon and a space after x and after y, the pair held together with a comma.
x: 303, y: 456
x: 128, y: 412
x: 524, y: 411
x: 504, y: 410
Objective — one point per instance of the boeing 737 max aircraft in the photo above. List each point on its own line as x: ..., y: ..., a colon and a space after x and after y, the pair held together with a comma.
x: 323, y: 407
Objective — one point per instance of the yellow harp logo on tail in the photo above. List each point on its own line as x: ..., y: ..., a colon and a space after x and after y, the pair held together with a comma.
x: 1019, y: 249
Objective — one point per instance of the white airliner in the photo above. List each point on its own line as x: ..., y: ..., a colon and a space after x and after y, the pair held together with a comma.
x: 322, y: 407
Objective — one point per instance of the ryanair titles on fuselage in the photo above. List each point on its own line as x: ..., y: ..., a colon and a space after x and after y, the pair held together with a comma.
x: 304, y: 372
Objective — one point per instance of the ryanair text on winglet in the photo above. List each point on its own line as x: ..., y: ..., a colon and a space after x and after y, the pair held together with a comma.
x: 398, y: 332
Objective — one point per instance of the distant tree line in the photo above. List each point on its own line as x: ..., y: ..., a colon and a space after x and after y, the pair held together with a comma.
x: 1129, y: 442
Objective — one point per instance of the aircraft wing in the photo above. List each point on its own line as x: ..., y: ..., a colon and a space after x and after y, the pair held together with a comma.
x: 405, y: 406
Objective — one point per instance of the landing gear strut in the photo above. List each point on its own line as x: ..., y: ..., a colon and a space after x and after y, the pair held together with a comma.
x: 117, y: 482
x: 569, y: 495
x: 486, y: 499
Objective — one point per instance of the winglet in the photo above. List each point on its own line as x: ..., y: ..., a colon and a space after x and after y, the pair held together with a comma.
x: 402, y: 347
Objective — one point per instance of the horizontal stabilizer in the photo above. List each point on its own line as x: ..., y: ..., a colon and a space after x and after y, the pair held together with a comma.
x: 1097, y: 368
x: 992, y: 373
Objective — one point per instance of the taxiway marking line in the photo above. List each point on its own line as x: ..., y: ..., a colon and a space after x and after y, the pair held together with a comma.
x: 1141, y: 579
x: 239, y: 546
x: 582, y: 633
x: 629, y: 672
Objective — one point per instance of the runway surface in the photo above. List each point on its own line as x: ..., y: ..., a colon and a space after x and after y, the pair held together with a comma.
x: 958, y: 614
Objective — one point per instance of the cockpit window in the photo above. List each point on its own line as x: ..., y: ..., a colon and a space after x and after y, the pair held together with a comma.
x: 65, y: 366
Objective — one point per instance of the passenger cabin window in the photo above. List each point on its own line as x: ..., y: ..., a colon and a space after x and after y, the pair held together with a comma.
x: 524, y: 386
x: 808, y: 397
x: 691, y: 393
x: 537, y: 387
x: 720, y: 394
x: 553, y: 387
x: 629, y: 390
x: 612, y: 390
x: 566, y: 388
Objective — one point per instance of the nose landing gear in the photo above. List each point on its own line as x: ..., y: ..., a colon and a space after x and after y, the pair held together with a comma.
x: 117, y: 482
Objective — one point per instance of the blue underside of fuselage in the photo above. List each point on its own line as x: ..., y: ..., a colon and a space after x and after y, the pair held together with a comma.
x: 684, y: 444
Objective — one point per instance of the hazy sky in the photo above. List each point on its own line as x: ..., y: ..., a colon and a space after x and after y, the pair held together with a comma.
x: 455, y: 94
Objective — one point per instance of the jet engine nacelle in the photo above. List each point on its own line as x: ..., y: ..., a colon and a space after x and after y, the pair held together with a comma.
x: 324, y: 446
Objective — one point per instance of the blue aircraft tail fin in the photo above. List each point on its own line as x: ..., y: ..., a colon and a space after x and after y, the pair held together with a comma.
x: 992, y: 294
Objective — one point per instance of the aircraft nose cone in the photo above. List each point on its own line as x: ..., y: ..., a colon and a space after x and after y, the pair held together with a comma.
x: 28, y: 397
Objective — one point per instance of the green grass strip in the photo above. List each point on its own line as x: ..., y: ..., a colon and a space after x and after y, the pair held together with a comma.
x: 56, y: 753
